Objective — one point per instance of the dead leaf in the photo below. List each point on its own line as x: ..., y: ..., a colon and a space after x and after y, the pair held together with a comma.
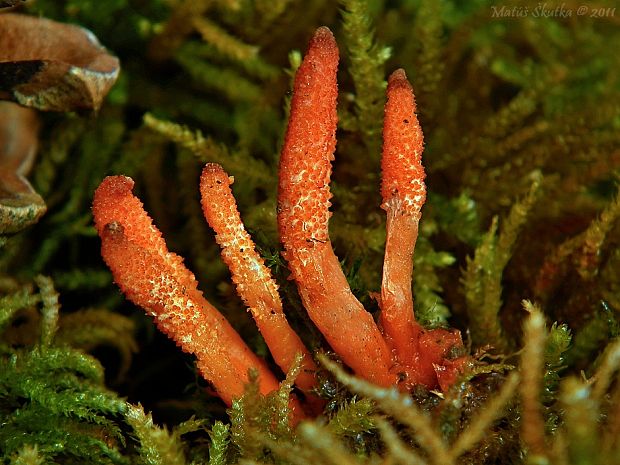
x: 53, y: 66
x: 20, y: 205
x: 9, y: 3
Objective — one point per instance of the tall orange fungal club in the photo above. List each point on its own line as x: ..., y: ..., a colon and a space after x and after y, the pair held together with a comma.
x: 303, y: 215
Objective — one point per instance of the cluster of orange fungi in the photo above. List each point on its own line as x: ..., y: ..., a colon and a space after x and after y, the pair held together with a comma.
x: 398, y: 351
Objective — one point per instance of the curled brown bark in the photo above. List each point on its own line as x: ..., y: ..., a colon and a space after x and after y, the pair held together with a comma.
x: 53, y: 66
x: 20, y: 205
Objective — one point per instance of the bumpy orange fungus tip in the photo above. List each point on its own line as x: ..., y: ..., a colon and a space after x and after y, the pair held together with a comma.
x: 403, y: 143
x: 309, y: 144
x: 214, y: 175
x: 114, y: 202
x: 252, y: 278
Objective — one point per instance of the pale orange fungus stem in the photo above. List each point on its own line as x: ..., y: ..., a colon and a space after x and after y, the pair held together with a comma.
x: 423, y: 354
x: 155, y: 279
x: 403, y: 193
x: 303, y: 215
x: 253, y: 279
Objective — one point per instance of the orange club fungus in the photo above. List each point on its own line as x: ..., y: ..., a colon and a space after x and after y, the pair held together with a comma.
x: 398, y: 351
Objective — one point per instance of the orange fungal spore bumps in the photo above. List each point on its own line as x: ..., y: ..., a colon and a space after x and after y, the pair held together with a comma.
x: 399, y: 351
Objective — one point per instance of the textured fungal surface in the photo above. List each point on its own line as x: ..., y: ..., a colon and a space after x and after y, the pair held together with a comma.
x: 309, y: 145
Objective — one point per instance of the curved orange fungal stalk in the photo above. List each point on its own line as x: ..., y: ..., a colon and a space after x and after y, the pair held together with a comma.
x: 303, y: 215
x: 423, y: 353
x: 155, y: 279
x: 253, y: 279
